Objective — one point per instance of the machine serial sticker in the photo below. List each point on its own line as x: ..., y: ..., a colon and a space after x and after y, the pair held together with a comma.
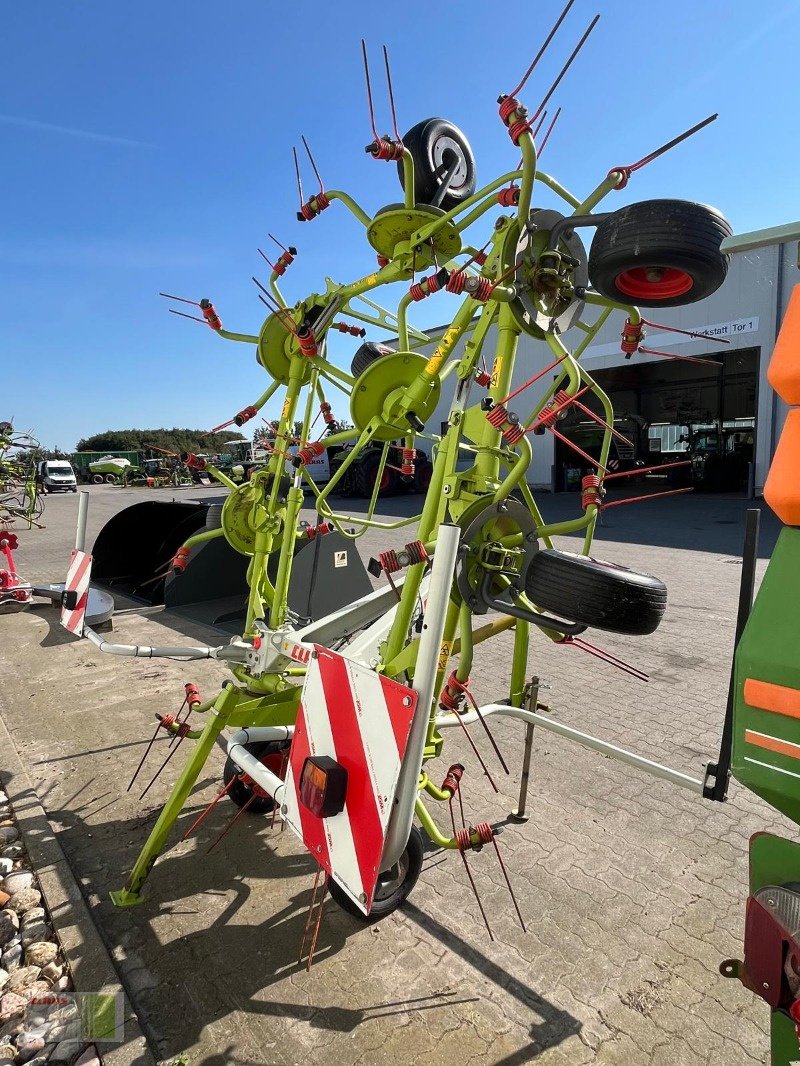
x: 339, y: 559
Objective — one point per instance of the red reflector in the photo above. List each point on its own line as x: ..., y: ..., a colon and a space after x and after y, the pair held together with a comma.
x: 323, y: 784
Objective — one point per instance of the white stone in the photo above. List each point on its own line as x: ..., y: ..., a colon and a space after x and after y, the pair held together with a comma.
x: 22, y: 977
x: 35, y: 914
x: 12, y: 957
x: 24, y: 900
x: 3, y: 978
x: 11, y: 851
x: 52, y: 971
x: 15, y: 882
x: 40, y: 952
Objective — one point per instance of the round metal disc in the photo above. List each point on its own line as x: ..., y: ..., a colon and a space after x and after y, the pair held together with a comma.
x: 395, y: 224
x: 382, y: 384
x: 277, y: 347
x: 538, y: 309
x: 237, y: 518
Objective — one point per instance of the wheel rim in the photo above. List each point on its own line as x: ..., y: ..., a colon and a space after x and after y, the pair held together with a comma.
x: 274, y: 761
x: 391, y: 881
x: 654, y: 282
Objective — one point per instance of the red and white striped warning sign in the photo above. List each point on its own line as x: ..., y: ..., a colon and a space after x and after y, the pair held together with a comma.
x: 76, y: 592
x: 362, y: 720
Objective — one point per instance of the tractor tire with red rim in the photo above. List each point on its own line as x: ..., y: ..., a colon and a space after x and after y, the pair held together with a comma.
x: 366, y: 356
x: 595, y: 593
x: 393, y: 886
x: 273, y: 754
x: 659, y: 253
x: 366, y: 471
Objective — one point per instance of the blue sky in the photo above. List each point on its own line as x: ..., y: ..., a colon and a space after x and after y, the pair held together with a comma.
x: 147, y: 148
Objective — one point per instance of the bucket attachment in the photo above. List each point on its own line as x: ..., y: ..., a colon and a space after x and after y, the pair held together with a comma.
x: 133, y: 554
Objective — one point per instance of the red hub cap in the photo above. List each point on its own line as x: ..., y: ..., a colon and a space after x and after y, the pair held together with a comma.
x: 654, y: 282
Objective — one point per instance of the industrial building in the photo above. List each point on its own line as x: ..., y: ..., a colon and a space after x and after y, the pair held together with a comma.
x: 720, y: 408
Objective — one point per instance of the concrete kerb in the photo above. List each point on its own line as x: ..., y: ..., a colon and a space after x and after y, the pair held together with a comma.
x: 89, y: 962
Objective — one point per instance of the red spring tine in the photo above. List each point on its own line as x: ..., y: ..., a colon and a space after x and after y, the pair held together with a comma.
x: 299, y: 179
x: 194, y: 318
x: 685, y: 332
x: 161, y: 767
x: 180, y: 299
x: 549, y: 131
x: 369, y: 90
x: 466, y: 866
x: 391, y: 93
x: 601, y: 422
x: 320, y: 911
x: 468, y: 735
x: 146, y: 753
x: 647, y: 469
x: 508, y: 882
x: 266, y: 260
x: 205, y: 813
x: 614, y: 660
x: 535, y: 378
x: 575, y: 448
x: 231, y: 823
x: 485, y: 725
x: 680, y: 358
x: 566, y: 66
x: 648, y: 496
x: 542, y: 50
x: 275, y: 239
x: 313, y: 164
x: 670, y: 144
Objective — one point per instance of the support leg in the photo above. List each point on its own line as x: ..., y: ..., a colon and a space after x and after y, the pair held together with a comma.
x: 519, y: 814
x: 130, y: 895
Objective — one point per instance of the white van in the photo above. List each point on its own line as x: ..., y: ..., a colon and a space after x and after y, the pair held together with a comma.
x: 56, y: 474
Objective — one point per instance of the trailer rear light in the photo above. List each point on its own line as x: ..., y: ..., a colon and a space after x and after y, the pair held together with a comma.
x: 772, y: 943
x: 323, y: 784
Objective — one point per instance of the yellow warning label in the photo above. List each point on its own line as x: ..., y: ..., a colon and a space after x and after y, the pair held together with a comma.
x: 285, y: 410
x: 442, y: 350
x: 497, y: 369
x: 444, y: 654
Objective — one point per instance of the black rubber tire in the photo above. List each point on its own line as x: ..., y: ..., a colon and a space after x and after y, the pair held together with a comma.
x: 97, y: 479
x: 656, y: 236
x: 422, y: 476
x: 595, y: 593
x: 426, y: 142
x: 412, y: 858
x: 110, y: 479
x: 239, y: 793
x: 363, y: 477
x: 214, y: 516
x: 366, y: 356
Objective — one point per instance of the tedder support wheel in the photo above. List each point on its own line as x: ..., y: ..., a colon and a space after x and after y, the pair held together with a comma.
x: 393, y: 886
x: 595, y: 593
x: 659, y: 253
x: 435, y: 145
x: 366, y: 356
x: 273, y: 754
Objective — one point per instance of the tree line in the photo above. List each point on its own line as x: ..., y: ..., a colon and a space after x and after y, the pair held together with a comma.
x: 174, y: 440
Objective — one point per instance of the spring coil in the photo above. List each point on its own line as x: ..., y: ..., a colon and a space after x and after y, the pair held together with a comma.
x: 389, y: 562
x: 210, y: 315
x: 383, y: 148
x: 425, y: 287
x: 632, y: 337
x: 305, y: 455
x: 382, y: 260
x: 457, y: 281
x: 315, y: 206
x: 307, y: 342
x: 591, y: 491
x: 453, y: 779
x: 483, y: 290
x: 508, y: 197
x: 245, y: 415
x: 320, y: 530
x: 192, y: 695
x: 416, y: 552
x: 327, y: 414
x: 181, y: 560
x: 498, y: 416
x: 407, y: 465
x: 483, y: 378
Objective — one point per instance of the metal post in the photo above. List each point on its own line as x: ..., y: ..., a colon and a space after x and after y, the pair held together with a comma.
x: 519, y: 812
x: 444, y: 562
x: 83, y: 514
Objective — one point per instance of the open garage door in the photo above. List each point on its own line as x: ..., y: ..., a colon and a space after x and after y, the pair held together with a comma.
x: 670, y: 410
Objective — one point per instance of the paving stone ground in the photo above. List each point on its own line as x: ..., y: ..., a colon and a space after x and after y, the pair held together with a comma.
x: 632, y: 889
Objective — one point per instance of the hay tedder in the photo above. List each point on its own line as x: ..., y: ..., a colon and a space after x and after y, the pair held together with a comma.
x: 338, y: 714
